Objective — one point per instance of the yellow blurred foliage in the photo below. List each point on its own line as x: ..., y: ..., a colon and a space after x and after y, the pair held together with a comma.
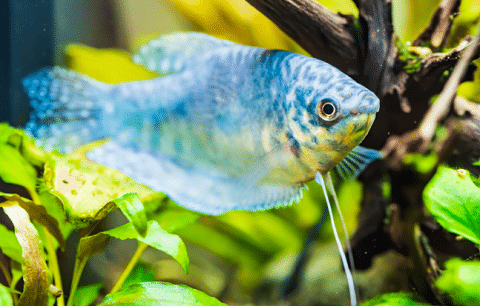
x: 106, y: 65
x: 236, y: 20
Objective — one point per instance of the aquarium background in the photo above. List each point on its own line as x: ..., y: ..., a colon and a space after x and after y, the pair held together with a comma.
x: 252, y: 251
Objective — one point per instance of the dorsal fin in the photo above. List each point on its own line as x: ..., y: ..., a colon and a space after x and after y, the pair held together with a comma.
x: 173, y: 52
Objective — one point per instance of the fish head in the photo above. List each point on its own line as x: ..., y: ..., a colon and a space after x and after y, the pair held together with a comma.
x: 331, y: 120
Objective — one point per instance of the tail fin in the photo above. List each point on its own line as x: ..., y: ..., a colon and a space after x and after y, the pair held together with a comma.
x: 67, y: 107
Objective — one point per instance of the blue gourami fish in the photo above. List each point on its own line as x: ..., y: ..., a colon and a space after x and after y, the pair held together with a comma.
x: 229, y: 127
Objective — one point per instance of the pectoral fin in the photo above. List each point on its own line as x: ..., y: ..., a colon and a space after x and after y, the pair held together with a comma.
x: 356, y: 161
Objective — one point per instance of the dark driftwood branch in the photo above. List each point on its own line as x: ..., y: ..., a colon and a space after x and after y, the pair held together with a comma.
x: 436, y: 33
x: 440, y: 108
x: 325, y: 35
x: 419, y: 139
x: 376, y: 21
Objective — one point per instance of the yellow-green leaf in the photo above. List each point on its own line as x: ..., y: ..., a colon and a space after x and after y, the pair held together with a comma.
x: 36, y: 287
x: 5, y: 296
x: 454, y: 201
x: 37, y: 213
x: 173, y: 220
x: 155, y: 237
x: 86, y: 295
x: 132, y: 208
x: 395, y: 299
x: 14, y: 168
x: 87, y: 189
x: 159, y: 293
x: 9, y: 244
x: 461, y: 281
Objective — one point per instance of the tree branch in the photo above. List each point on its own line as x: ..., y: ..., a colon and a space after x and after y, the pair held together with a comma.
x: 376, y: 21
x: 436, y: 33
x: 327, y: 36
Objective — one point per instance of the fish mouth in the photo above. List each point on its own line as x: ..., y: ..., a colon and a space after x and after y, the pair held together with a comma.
x: 360, y: 128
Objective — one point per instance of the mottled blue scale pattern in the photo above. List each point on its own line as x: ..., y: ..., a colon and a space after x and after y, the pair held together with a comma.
x: 217, y: 132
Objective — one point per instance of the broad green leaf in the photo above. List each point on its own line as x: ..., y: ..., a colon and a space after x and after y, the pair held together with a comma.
x: 132, y: 208
x: 5, y: 132
x: 454, y: 201
x: 14, y: 168
x: 154, y: 203
x: 23, y: 143
x: 395, y: 299
x: 173, y: 220
x: 86, y: 295
x: 5, y: 296
x: 422, y: 163
x: 17, y: 272
x: 249, y: 259
x: 87, y: 247
x: 142, y: 272
x: 9, y: 244
x: 461, y: 281
x: 159, y: 293
x: 155, y: 237
x: 266, y: 231
x: 85, y: 188
x: 36, y: 287
x: 54, y: 208
x: 39, y: 214
x: 220, y: 244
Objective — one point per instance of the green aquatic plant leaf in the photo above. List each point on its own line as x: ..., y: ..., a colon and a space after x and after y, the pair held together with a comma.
x: 14, y: 168
x: 454, y: 201
x: 422, y: 163
x: 35, y: 271
x: 9, y: 244
x: 17, y: 272
x: 86, y: 295
x: 173, y: 220
x: 37, y: 213
x: 142, y: 272
x: 85, y: 188
x: 159, y: 293
x: 54, y: 208
x: 461, y: 281
x: 87, y: 247
x: 156, y: 237
x: 132, y: 208
x: 395, y: 299
x: 5, y: 296
x: 266, y: 231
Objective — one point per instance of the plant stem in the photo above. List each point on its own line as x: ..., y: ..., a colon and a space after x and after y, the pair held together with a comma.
x: 136, y: 256
x: 54, y: 267
x: 5, y: 271
x: 9, y: 280
x: 79, y: 266
x: 14, y: 282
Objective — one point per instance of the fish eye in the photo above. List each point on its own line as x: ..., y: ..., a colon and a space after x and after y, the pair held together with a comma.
x: 327, y: 110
